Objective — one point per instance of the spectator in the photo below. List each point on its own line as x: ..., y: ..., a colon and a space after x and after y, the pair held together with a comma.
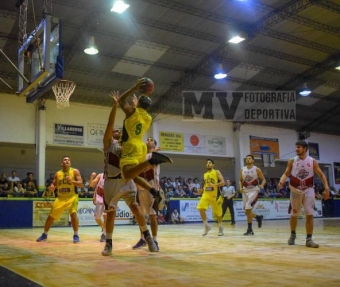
x: 176, y: 217
x: 48, y: 193
x: 19, y: 191
x: 29, y: 178
x: 31, y: 190
x: 13, y: 178
x: 4, y: 180
x: 49, y: 180
x: 161, y: 219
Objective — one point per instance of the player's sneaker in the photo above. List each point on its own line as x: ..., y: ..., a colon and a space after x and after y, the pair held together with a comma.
x: 291, y: 240
x: 157, y: 246
x: 102, y: 238
x: 43, y: 237
x: 158, y: 158
x: 206, y: 230
x: 75, y: 238
x: 220, y: 231
x: 259, y: 219
x: 107, y: 250
x: 141, y: 243
x: 311, y: 243
x: 151, y: 244
x: 249, y: 233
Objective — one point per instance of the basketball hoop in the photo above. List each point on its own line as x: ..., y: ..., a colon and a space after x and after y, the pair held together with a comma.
x: 63, y: 91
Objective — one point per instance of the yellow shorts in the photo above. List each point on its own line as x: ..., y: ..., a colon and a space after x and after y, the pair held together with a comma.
x: 210, y: 199
x: 133, y: 152
x: 60, y: 204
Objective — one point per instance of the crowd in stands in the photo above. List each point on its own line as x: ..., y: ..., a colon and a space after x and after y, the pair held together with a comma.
x: 180, y: 187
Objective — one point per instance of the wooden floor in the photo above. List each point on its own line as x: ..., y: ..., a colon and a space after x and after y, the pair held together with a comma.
x: 186, y: 257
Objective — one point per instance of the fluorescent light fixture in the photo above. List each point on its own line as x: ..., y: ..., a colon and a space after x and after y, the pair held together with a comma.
x: 337, y: 68
x: 92, y: 48
x: 119, y: 7
x: 220, y: 76
x: 236, y: 40
x: 305, y: 92
x: 220, y: 73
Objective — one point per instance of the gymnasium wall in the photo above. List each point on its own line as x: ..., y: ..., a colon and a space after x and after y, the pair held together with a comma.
x: 18, y: 138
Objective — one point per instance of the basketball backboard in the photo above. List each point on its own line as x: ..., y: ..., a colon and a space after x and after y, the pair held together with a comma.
x: 40, y: 60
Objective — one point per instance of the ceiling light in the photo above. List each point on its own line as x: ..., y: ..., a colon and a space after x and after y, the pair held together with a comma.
x: 221, y: 74
x: 236, y: 39
x: 305, y: 92
x: 119, y: 7
x: 91, y: 48
x: 338, y: 67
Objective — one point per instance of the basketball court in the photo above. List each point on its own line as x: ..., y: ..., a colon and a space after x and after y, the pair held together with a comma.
x: 186, y: 257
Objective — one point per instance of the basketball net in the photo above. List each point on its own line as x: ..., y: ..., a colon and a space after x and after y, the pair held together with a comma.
x: 63, y: 91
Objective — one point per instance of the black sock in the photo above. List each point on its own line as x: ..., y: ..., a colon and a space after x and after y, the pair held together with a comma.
x: 293, y: 232
x: 153, y: 192
x: 309, y: 236
x: 146, y: 233
x: 109, y: 241
x: 250, y: 226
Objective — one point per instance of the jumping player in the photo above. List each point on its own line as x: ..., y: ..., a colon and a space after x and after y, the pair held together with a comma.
x: 137, y: 122
x: 116, y: 187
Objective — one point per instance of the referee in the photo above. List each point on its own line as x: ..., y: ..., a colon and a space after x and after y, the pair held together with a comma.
x: 228, y: 192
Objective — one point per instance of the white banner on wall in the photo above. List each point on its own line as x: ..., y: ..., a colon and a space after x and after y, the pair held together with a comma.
x: 189, y: 211
x: 270, y: 209
x: 86, y: 211
x: 215, y: 145
x: 68, y: 135
x: 95, y: 135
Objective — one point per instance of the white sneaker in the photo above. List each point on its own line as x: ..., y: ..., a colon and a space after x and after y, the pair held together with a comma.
x: 206, y: 230
x: 220, y: 231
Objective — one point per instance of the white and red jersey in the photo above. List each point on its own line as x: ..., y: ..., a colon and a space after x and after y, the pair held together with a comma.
x: 151, y: 175
x: 99, y: 190
x: 112, y: 159
x: 302, y: 174
x: 250, y: 179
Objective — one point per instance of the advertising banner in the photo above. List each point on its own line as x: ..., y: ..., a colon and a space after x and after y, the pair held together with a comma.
x: 68, y: 135
x: 41, y: 210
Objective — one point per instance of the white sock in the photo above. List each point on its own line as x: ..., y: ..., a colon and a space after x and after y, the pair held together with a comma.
x: 205, y: 223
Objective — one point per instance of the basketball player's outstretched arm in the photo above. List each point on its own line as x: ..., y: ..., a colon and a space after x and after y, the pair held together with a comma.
x: 110, y: 124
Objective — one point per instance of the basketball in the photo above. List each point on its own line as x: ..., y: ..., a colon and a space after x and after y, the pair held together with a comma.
x: 147, y: 88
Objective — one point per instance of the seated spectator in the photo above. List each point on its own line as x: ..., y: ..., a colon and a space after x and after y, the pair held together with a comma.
x: 5, y: 190
x: 49, y: 180
x: 19, y: 191
x: 161, y: 218
x: 28, y: 179
x: 13, y: 178
x: 4, y: 180
x: 31, y: 190
x: 179, y: 192
x: 47, y: 193
x: 176, y: 217
x: 194, y: 192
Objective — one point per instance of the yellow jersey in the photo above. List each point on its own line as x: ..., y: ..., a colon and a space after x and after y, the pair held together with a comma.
x: 63, y: 187
x: 137, y: 124
x: 210, y: 177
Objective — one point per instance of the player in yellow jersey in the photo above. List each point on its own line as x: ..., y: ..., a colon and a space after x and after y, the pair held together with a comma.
x: 65, y: 181
x: 213, y: 179
x: 136, y: 124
